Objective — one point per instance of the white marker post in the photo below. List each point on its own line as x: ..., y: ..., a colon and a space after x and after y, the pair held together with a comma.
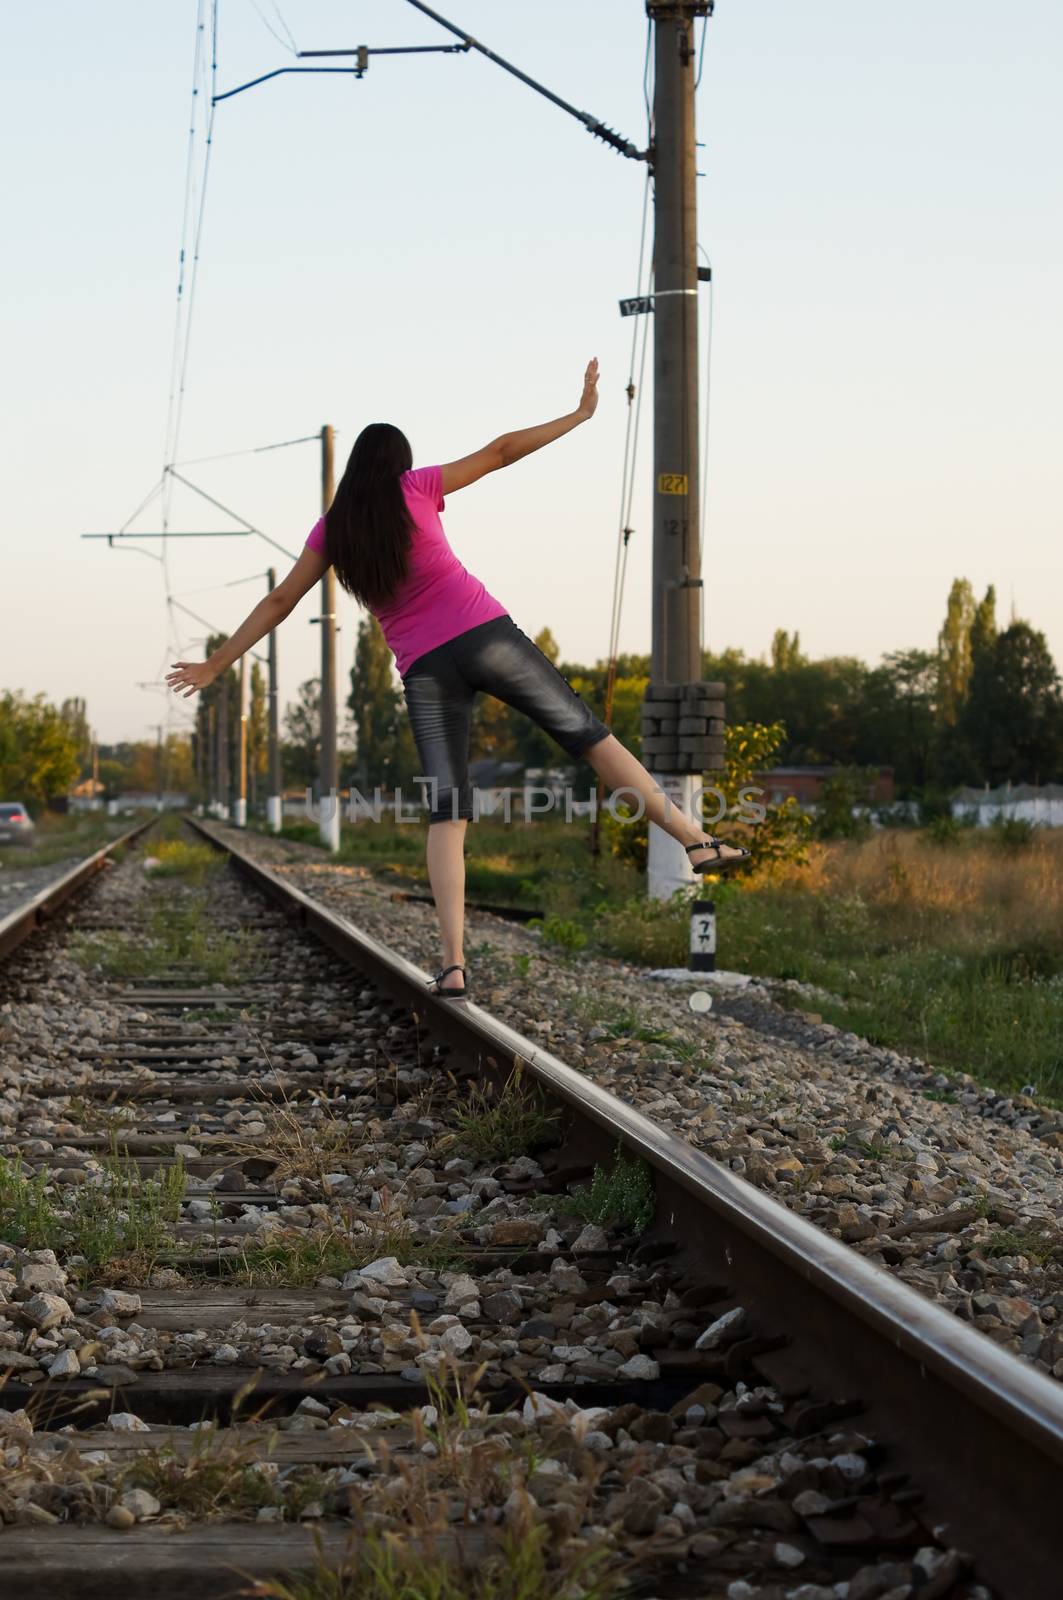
x: 703, y: 936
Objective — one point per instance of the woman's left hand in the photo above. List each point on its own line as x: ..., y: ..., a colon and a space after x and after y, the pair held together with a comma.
x: 589, y: 398
x: 190, y: 676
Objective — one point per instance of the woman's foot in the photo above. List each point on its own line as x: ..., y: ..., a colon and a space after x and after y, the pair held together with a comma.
x: 714, y: 855
x: 450, y: 981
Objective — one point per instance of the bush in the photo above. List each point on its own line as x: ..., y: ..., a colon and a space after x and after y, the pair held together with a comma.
x: 560, y: 932
x: 1011, y: 833
x: 841, y: 813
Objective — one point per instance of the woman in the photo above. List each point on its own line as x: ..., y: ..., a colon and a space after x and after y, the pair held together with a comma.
x: 450, y: 639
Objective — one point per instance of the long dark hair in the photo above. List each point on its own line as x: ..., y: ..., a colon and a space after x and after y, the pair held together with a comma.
x: 368, y: 525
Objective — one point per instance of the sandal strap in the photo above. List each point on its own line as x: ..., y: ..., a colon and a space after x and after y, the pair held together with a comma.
x: 455, y: 968
x: 705, y: 844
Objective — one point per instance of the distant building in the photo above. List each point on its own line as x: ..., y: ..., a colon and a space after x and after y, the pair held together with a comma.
x: 805, y: 784
x: 143, y: 800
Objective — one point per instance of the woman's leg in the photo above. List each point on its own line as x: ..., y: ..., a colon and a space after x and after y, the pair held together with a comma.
x: 446, y: 873
x: 439, y: 702
x: 619, y: 769
x: 503, y: 661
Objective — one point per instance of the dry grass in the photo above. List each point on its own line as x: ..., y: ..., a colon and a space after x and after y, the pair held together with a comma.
x: 952, y: 950
x: 978, y: 883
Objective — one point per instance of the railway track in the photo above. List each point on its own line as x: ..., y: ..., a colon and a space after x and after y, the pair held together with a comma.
x: 267, y: 1207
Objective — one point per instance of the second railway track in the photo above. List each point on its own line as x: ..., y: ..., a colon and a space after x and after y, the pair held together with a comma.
x: 255, y: 1178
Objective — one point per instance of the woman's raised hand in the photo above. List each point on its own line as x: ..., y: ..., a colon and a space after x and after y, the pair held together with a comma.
x: 589, y: 398
x: 190, y: 676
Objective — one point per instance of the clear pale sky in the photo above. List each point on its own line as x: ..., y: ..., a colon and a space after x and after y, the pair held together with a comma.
x: 437, y: 246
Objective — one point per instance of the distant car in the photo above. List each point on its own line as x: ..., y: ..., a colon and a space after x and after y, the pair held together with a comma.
x: 16, y: 824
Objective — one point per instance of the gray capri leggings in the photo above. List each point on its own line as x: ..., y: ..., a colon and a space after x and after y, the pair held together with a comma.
x: 500, y: 659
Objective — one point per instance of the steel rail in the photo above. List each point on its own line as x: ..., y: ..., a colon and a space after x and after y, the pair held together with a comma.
x: 980, y: 1430
x: 18, y: 925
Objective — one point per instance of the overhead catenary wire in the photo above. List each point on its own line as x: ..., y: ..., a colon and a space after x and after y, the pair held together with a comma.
x: 287, y: 42
x: 250, y: 450
x: 634, y: 395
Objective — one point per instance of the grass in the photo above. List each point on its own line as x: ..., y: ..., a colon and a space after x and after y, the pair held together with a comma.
x: 221, y: 1476
x: 301, y: 1148
x: 123, y: 1216
x: 296, y: 1258
x: 954, y: 952
x: 176, y: 935
x: 185, y: 859
x: 498, y: 1125
x: 388, y: 1567
x: 411, y: 1549
x: 1037, y: 1241
x: 623, y: 1196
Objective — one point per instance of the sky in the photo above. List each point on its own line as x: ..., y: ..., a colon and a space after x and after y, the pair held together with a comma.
x: 437, y: 246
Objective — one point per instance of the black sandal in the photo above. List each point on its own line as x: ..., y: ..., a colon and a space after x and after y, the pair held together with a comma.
x: 719, y: 862
x: 450, y: 994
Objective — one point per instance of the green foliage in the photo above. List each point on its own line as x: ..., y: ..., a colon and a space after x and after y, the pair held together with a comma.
x: 39, y: 750
x: 526, y: 1563
x: 182, y: 858
x: 653, y: 932
x: 623, y: 1195
x: 1012, y: 833
x: 842, y: 810
x: 498, y: 1125
x: 1012, y: 720
x: 561, y: 933
x: 121, y: 1214
x: 385, y: 752
x: 177, y: 935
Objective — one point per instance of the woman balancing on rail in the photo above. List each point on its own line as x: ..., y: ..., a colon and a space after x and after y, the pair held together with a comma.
x: 450, y: 638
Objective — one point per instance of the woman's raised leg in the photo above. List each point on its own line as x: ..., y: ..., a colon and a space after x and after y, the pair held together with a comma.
x: 619, y: 769
x: 446, y: 873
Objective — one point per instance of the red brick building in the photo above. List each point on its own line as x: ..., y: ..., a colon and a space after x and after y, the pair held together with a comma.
x: 805, y: 784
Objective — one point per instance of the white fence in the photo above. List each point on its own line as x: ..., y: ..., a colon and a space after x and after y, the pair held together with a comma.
x: 1021, y: 801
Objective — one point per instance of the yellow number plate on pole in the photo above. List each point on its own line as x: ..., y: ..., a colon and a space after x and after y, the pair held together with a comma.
x: 672, y: 483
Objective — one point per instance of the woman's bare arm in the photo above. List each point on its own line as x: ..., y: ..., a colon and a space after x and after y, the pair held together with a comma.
x: 188, y: 676
x: 510, y: 447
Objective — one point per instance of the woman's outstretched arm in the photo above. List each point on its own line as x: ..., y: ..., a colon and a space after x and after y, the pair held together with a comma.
x: 188, y: 676
x: 510, y: 447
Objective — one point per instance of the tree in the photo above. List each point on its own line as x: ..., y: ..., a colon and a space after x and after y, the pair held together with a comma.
x: 385, y: 754
x: 302, y: 726
x: 899, y: 722
x: 39, y: 754
x: 1013, y: 719
x: 954, y: 652
x: 786, y: 651
x: 257, y: 732
x: 984, y: 626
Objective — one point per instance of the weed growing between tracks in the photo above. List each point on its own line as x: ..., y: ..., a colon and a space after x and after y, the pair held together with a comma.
x: 499, y: 1124
x: 409, y: 1545
x: 223, y: 1476
x: 184, y: 859
x: 104, y: 1222
x: 175, y: 936
x: 623, y: 1196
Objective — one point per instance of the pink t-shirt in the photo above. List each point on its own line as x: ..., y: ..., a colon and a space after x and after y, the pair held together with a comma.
x: 438, y: 599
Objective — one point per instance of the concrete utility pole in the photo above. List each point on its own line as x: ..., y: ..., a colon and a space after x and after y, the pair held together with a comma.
x: 273, y: 797
x: 241, y: 750
x: 329, y: 802
x: 682, y: 717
